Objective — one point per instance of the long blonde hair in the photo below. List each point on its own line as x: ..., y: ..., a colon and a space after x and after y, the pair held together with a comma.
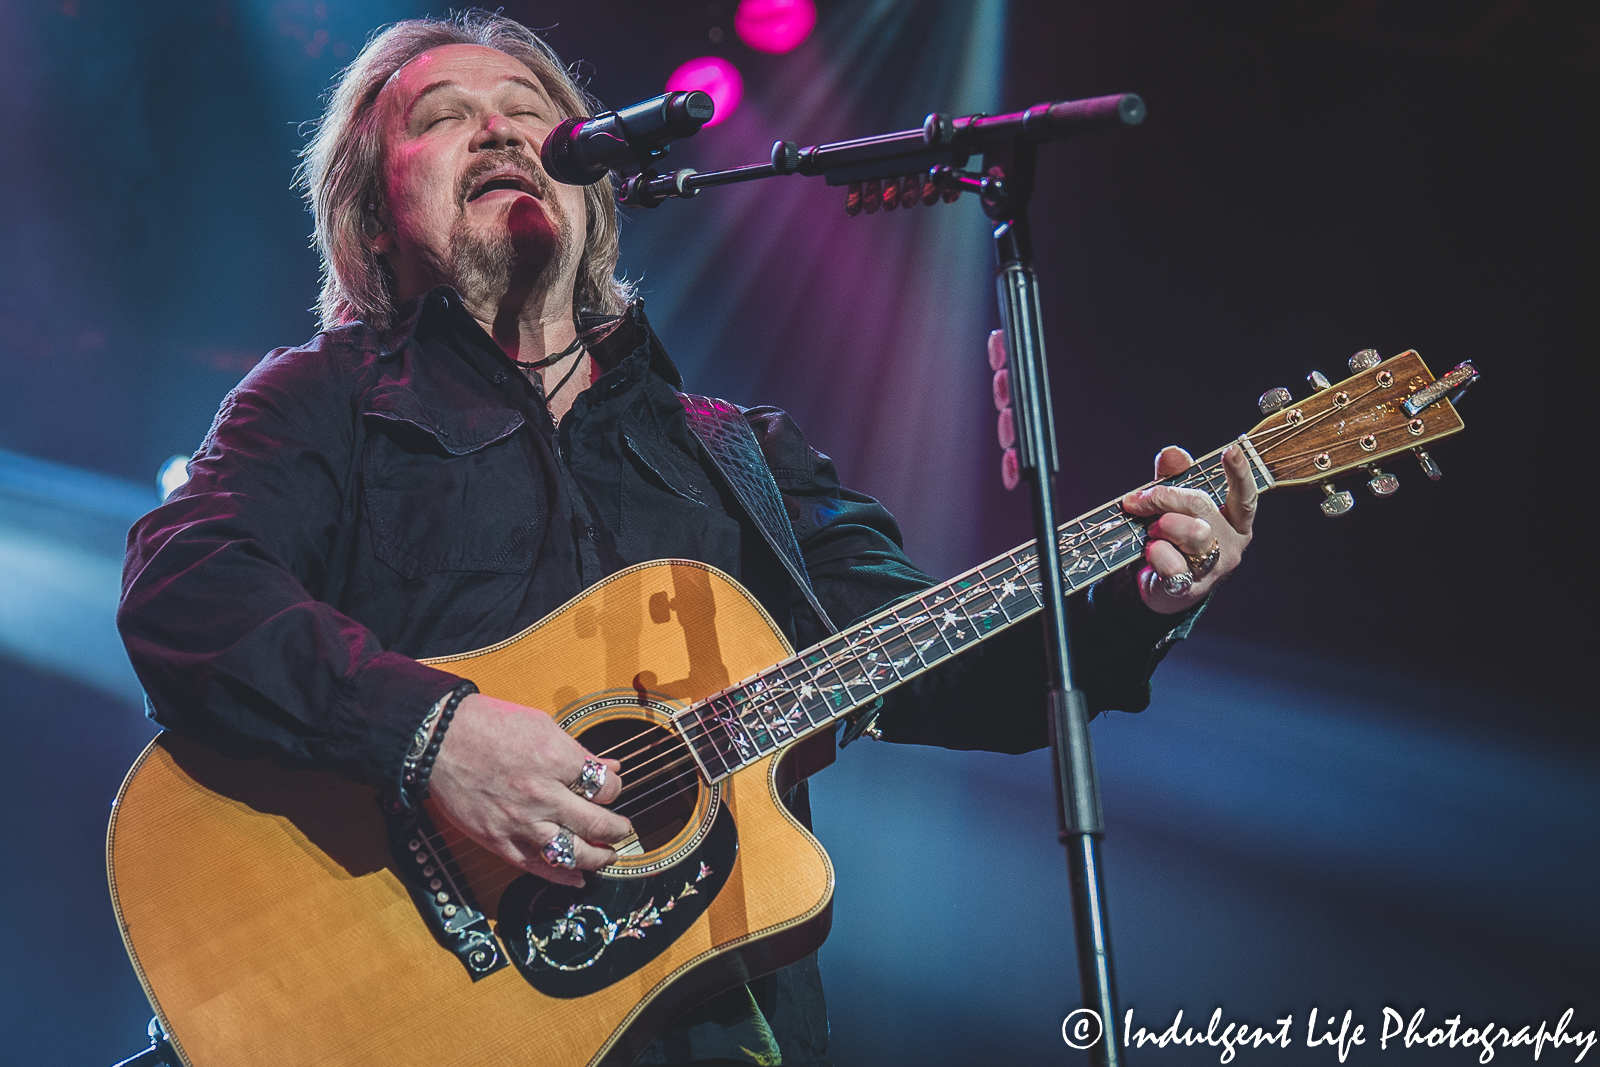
x: 341, y: 164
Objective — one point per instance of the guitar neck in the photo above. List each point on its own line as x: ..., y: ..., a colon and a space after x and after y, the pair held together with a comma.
x: 815, y: 688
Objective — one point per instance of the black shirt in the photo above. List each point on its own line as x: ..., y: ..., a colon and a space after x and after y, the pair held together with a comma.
x: 365, y: 501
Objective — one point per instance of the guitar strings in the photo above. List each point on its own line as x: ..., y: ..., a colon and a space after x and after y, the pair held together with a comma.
x: 768, y: 700
x: 1210, y: 474
x: 764, y: 699
x: 1265, y: 440
x: 628, y: 803
x: 764, y: 702
x: 833, y: 660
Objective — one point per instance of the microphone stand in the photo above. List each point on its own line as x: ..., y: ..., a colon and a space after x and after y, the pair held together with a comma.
x: 926, y: 165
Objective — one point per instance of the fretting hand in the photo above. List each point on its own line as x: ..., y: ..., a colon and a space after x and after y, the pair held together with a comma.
x: 1192, y: 545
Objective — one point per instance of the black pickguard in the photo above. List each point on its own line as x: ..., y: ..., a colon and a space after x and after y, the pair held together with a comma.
x: 612, y: 926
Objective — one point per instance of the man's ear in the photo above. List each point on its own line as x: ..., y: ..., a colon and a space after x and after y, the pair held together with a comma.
x: 376, y: 227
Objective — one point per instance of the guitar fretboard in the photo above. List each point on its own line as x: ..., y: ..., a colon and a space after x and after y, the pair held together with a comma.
x: 814, y: 688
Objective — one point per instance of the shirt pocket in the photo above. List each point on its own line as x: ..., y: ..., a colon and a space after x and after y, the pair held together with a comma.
x: 663, y: 474
x: 450, y: 491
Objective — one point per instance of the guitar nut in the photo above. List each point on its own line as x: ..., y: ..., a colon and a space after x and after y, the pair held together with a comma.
x: 1322, y: 462
x: 1385, y: 379
x: 1369, y: 443
x: 1415, y: 426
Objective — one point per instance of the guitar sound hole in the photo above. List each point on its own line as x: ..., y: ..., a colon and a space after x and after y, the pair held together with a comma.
x: 660, y: 780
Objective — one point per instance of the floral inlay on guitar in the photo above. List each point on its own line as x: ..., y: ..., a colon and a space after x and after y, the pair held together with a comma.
x: 588, y: 922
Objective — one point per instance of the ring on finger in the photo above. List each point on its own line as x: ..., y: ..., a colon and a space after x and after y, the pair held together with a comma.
x: 560, y: 851
x: 1177, y: 584
x: 591, y: 779
x: 1200, y: 566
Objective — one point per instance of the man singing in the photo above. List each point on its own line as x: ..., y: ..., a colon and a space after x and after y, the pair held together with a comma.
x: 487, y: 426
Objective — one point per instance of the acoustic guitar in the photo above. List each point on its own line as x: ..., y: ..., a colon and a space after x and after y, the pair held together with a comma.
x: 283, y: 917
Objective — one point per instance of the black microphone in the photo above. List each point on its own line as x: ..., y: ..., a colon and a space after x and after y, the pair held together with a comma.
x: 582, y: 151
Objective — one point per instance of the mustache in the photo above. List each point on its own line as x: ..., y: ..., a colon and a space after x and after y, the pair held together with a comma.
x: 500, y: 159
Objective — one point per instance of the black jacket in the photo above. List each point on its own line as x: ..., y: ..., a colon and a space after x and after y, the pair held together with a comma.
x: 365, y: 501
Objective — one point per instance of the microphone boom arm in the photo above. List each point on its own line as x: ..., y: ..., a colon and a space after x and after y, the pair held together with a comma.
x: 942, y: 142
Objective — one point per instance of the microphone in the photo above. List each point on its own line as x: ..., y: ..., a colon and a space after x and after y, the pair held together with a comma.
x: 582, y: 151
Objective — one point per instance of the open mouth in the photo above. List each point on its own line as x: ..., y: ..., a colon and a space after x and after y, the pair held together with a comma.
x: 515, y: 183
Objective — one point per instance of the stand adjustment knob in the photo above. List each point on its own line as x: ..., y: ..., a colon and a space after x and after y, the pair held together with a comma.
x: 1382, y: 484
x: 1274, y: 400
x: 1429, y: 467
x: 1318, y: 380
x: 1338, y: 501
x: 1365, y: 359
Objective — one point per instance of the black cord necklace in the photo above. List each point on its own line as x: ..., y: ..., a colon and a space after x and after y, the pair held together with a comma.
x: 551, y: 395
x: 540, y: 364
x: 550, y: 361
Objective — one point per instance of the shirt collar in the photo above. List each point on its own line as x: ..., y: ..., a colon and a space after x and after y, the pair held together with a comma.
x: 615, y: 338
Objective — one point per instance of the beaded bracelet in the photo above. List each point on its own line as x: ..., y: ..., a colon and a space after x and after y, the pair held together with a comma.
x: 418, y: 766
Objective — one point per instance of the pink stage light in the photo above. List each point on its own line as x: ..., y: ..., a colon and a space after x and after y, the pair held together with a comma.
x: 774, y: 26
x: 714, y: 76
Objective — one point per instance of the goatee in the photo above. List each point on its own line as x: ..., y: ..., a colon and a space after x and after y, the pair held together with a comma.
x: 521, y: 253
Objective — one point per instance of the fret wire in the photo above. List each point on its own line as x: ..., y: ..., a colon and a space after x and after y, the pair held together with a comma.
x: 799, y: 716
x: 827, y: 665
x: 757, y: 698
x: 861, y: 648
x: 1009, y: 587
x: 757, y: 733
x: 944, y: 619
x: 710, y: 736
x: 928, y: 647
x: 789, y: 691
x: 732, y: 728
x: 916, y: 635
x: 1080, y: 565
x: 847, y: 664
x: 811, y: 696
x: 875, y: 637
x: 973, y: 599
x: 1132, y: 536
x: 896, y: 633
x: 960, y: 609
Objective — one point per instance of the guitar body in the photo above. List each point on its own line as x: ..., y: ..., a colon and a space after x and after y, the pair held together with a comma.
x: 267, y: 917
x: 281, y: 917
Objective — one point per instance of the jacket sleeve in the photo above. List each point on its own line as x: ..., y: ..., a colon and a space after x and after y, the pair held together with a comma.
x: 991, y: 697
x: 220, y: 611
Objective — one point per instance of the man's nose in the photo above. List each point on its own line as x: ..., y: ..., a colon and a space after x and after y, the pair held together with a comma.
x: 498, y: 132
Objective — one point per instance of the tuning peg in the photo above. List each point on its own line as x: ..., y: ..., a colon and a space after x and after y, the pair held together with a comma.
x: 1382, y: 484
x: 1318, y: 380
x: 1338, y: 501
x: 1274, y: 400
x: 1365, y: 359
x: 1429, y: 467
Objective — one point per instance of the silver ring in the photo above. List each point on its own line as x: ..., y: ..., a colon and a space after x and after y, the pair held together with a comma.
x: 1178, y: 584
x: 591, y: 779
x: 559, y: 852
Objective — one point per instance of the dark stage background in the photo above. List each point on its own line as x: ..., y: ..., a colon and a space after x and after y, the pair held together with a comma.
x: 1368, y: 780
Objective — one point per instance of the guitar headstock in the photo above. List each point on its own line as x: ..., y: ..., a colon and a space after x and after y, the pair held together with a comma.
x: 1385, y: 408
